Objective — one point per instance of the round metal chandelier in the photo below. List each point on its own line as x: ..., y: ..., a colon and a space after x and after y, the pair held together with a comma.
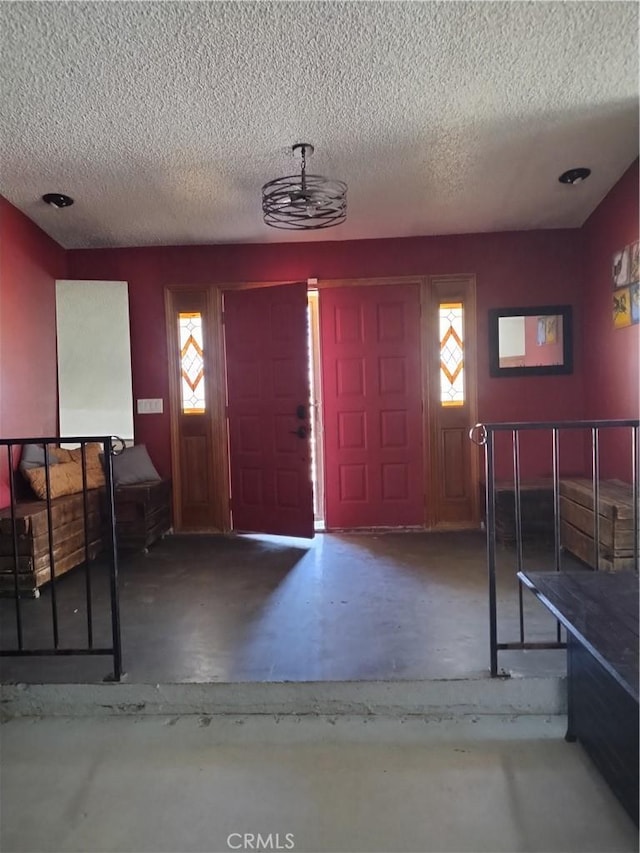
x: 304, y: 202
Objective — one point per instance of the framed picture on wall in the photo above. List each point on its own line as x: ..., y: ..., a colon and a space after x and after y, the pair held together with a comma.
x: 625, y: 265
x: 625, y: 273
x: 634, y: 299
x: 621, y: 308
x: 620, y: 267
x: 634, y: 262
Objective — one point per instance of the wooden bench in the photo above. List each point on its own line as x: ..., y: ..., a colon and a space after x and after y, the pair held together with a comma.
x: 536, y: 505
x: 143, y: 514
x: 616, y: 523
x: 32, y: 528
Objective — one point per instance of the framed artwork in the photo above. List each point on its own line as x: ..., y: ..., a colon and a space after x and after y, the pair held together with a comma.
x: 547, y: 332
x: 551, y: 328
x: 621, y: 308
x: 634, y: 263
x: 620, y: 267
x: 625, y: 265
x: 634, y: 298
x: 625, y: 273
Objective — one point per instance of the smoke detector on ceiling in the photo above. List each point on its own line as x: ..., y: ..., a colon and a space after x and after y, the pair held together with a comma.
x: 57, y: 200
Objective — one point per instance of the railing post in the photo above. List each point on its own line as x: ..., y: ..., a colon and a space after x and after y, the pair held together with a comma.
x: 490, y: 512
x: 635, y: 479
x: 87, y: 555
x: 52, y: 560
x: 113, y: 569
x: 14, y: 537
x: 595, y: 477
x: 555, y: 437
x: 515, y: 438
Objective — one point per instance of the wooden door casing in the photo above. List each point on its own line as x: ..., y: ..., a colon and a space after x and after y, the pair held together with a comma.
x: 447, y: 455
x: 198, y: 458
x: 453, y: 468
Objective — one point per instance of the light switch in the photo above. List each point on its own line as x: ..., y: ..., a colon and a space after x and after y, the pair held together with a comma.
x: 150, y: 406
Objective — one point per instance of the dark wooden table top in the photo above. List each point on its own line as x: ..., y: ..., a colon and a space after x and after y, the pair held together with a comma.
x: 601, y: 610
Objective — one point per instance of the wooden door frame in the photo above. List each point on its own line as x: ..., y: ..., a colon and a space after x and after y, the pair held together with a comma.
x: 216, y: 406
x: 317, y: 404
x: 215, y: 369
x: 325, y: 283
x: 431, y: 360
x: 217, y: 383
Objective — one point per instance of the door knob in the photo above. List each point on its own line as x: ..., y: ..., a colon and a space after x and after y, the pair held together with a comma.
x: 301, y: 432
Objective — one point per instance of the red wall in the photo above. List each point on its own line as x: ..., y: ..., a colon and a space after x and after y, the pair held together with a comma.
x: 512, y: 269
x: 30, y: 262
x: 611, y: 356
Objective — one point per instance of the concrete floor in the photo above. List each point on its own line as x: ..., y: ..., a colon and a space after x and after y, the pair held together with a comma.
x: 341, y: 607
x: 334, y: 784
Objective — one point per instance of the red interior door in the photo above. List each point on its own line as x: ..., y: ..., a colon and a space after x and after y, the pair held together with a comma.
x: 268, y: 410
x: 372, y: 397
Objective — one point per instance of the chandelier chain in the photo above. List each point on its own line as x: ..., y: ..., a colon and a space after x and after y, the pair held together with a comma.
x: 304, y: 169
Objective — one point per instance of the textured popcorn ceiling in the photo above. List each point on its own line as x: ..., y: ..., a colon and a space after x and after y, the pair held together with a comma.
x: 163, y: 120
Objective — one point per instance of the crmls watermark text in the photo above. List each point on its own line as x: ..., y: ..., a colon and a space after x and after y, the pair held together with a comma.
x: 257, y: 841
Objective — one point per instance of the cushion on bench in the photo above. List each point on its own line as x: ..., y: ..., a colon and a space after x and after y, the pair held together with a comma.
x: 65, y: 477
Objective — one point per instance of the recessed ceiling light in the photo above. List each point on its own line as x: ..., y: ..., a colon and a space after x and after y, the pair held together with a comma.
x: 57, y: 200
x: 574, y: 176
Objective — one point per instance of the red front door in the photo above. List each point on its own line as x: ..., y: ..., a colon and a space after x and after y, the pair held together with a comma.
x: 372, y: 393
x: 268, y: 410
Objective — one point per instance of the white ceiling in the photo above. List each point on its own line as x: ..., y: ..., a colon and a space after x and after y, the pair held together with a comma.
x: 164, y: 119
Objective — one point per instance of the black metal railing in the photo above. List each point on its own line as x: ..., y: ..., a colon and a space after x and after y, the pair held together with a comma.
x: 484, y: 436
x: 107, y: 536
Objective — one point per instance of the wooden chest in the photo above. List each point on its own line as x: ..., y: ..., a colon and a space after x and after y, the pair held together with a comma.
x: 616, y: 523
x: 536, y: 510
x: 143, y: 514
x: 67, y: 519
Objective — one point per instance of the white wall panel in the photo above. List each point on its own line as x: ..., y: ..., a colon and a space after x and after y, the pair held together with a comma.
x: 94, y: 358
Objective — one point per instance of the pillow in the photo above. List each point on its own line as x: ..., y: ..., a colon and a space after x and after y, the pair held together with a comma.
x: 133, y: 466
x: 64, y: 479
x: 33, y: 457
x: 63, y: 454
x: 92, y: 451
